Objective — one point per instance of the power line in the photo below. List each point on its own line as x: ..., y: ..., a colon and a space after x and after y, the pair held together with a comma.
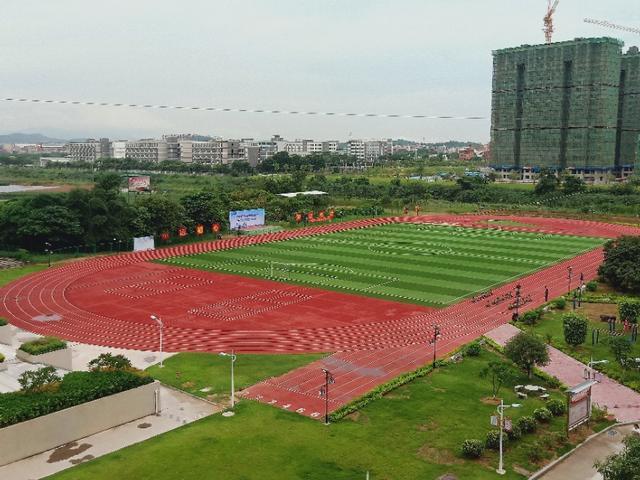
x: 240, y: 110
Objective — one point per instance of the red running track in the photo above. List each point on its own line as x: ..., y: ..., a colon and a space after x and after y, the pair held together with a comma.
x: 107, y: 301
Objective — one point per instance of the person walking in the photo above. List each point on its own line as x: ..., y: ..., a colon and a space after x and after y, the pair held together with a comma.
x: 546, y: 294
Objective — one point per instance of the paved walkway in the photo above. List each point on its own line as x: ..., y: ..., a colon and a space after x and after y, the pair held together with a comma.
x: 579, y: 465
x: 620, y: 401
x: 177, y: 409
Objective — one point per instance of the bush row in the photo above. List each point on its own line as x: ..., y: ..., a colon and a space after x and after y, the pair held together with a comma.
x: 3, y: 322
x: 43, y: 345
x: 75, y: 388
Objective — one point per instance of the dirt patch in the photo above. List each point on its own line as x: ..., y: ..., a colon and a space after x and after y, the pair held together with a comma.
x: 65, y: 452
x: 522, y: 471
x: 448, y: 476
x: 358, y: 417
x: 439, y: 390
x: 440, y: 456
x: 186, y: 385
x: 490, y: 401
x: 428, y: 427
x: 144, y: 425
x: 594, y: 310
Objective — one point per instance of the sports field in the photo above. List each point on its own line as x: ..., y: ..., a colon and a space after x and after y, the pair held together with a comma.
x: 427, y: 264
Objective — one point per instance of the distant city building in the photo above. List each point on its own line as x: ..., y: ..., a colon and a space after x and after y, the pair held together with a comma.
x: 119, y: 149
x: 147, y: 150
x: 90, y: 150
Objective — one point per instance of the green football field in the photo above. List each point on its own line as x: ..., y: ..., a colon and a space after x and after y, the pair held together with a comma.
x: 433, y: 265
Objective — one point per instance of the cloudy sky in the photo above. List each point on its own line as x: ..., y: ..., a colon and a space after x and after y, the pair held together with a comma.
x: 429, y: 57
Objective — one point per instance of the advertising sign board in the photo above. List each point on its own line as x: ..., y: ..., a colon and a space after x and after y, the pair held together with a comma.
x: 246, y: 218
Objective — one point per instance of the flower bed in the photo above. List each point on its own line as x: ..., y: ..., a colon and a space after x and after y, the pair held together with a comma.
x: 43, y: 345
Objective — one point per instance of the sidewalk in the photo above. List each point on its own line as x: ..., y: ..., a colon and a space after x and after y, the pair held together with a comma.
x: 177, y: 409
x: 619, y: 400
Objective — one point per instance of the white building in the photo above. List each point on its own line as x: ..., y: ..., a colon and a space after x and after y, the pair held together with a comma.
x: 118, y: 149
x: 148, y: 150
x: 90, y: 151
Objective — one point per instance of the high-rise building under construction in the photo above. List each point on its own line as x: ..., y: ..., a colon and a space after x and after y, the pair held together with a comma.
x: 566, y: 105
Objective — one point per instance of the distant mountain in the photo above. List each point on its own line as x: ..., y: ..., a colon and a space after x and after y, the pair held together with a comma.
x: 29, y: 138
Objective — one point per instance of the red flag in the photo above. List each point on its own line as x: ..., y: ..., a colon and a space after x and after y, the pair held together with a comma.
x: 182, y: 232
x: 215, y: 228
x: 165, y: 236
x: 199, y: 229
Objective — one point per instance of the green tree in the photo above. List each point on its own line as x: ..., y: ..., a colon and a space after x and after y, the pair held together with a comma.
x: 498, y: 373
x: 621, y: 348
x: 571, y: 185
x: 205, y: 208
x: 157, y: 213
x: 547, y: 183
x: 629, y: 310
x: 621, y: 265
x: 38, y: 380
x: 574, y: 327
x: 527, y: 351
x: 624, y: 465
x: 107, y: 361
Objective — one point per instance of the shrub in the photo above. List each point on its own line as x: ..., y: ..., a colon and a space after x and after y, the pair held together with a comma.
x: 43, y: 345
x: 106, y: 361
x: 556, y: 407
x: 75, y: 388
x: 472, y: 448
x: 492, y: 441
x: 1, y: 358
x: 527, y: 424
x: 620, y: 265
x: 531, y: 317
x: 543, y: 415
x: 592, y: 286
x: 629, y: 310
x: 515, y: 433
x: 37, y: 380
x: 473, y: 349
x: 574, y: 327
x: 621, y: 348
x: 559, y: 303
x: 3, y: 322
x: 534, y: 453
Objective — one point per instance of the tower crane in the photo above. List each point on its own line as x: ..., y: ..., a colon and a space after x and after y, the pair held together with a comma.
x: 548, y: 19
x: 604, y: 23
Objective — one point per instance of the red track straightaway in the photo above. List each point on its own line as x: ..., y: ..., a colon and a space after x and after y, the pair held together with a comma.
x: 108, y: 300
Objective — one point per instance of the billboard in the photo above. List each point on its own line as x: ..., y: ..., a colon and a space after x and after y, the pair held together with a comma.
x: 143, y: 243
x: 246, y: 218
x: 140, y: 184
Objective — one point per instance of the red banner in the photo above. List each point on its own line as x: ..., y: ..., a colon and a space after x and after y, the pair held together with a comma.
x: 199, y: 229
x: 182, y: 232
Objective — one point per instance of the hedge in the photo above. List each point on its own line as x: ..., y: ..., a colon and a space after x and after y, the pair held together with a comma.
x: 3, y: 322
x: 43, y: 345
x: 74, y: 389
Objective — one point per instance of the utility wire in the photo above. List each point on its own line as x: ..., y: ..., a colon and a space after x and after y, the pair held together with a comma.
x: 240, y: 110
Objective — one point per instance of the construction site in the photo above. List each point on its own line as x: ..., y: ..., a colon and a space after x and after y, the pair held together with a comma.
x: 567, y: 106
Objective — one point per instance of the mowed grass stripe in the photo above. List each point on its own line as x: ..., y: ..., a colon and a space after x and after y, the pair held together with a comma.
x: 432, y: 266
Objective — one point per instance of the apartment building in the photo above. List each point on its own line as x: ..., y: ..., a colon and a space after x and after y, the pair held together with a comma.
x: 148, y: 150
x: 90, y: 150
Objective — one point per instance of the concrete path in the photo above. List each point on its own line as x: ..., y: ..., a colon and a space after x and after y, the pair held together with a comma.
x: 579, y: 465
x: 177, y: 409
x: 619, y: 400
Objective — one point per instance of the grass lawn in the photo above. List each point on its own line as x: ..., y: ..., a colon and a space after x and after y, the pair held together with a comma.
x: 414, y: 432
x: 551, y: 325
x: 432, y: 265
x: 11, y: 274
x: 194, y: 371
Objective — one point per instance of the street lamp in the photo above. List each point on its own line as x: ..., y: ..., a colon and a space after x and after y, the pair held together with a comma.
x: 589, y: 373
x: 48, y: 250
x: 161, y: 328
x: 518, y: 290
x: 324, y: 392
x: 233, y: 357
x: 433, y: 341
x: 501, y: 407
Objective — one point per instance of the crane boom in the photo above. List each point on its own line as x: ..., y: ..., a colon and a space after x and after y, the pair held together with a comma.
x: 604, y: 23
x: 548, y: 20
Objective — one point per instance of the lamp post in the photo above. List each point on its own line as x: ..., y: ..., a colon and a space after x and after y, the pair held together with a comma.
x: 589, y: 373
x: 233, y: 357
x: 433, y: 341
x: 161, y: 328
x: 569, y: 275
x: 48, y: 250
x: 501, y: 407
x: 324, y: 392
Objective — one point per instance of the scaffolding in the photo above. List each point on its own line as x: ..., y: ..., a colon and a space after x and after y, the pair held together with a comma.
x: 566, y: 104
